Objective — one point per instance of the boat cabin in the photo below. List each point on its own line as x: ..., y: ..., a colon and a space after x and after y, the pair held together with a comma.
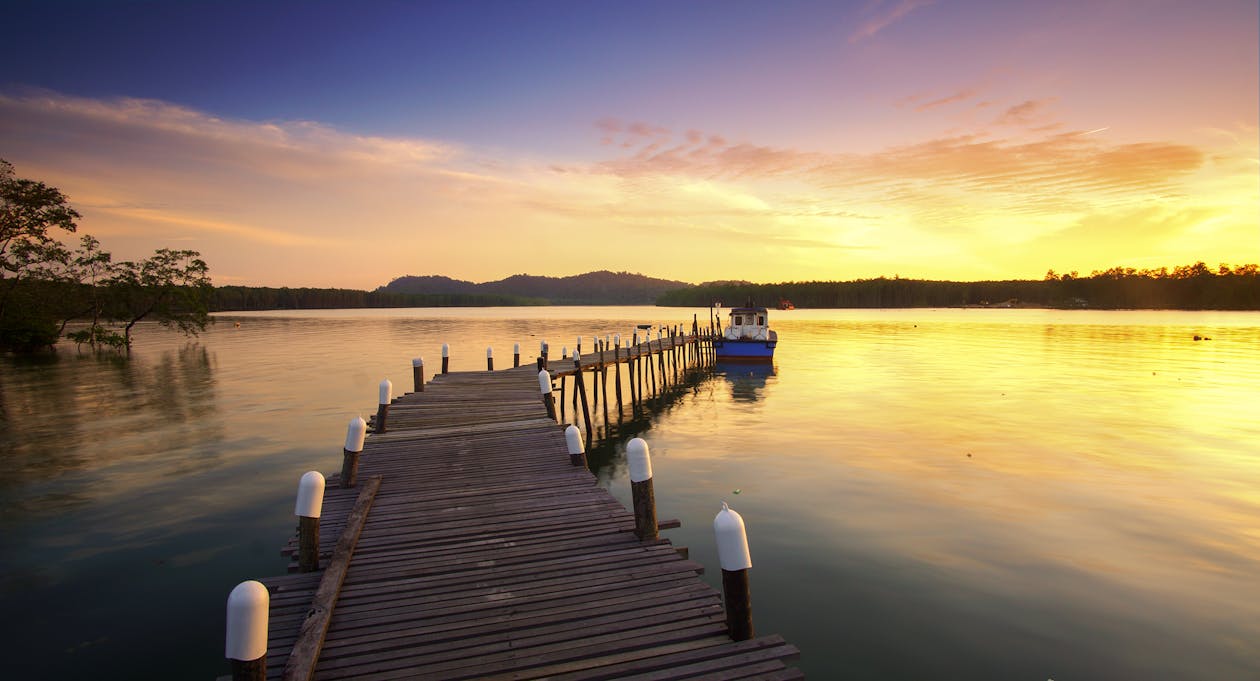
x: 747, y: 323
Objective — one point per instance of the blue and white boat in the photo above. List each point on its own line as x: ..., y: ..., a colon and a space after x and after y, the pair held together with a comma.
x: 747, y: 338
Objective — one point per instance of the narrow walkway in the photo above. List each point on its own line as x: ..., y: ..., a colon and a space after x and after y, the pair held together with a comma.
x: 487, y: 555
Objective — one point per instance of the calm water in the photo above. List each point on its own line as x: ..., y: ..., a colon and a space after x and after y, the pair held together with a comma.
x: 1005, y: 494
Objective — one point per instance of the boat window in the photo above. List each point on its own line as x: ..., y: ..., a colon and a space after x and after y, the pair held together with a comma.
x: 761, y: 320
x: 738, y: 320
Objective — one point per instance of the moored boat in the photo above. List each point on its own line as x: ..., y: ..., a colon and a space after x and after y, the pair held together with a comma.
x: 747, y: 337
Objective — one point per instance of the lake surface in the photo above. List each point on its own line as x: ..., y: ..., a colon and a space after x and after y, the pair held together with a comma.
x: 946, y: 494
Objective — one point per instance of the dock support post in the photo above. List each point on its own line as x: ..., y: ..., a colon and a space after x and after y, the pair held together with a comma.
x: 446, y: 358
x: 545, y: 350
x: 516, y: 355
x: 489, y: 359
x: 581, y: 389
x: 640, y: 464
x: 544, y: 382
x: 247, y: 614
x: 355, y: 433
x: 577, y: 453
x: 732, y: 544
x: 382, y: 405
x: 417, y: 374
x: 617, y: 368
x: 599, y: 360
x: 563, y: 417
x: 310, y: 500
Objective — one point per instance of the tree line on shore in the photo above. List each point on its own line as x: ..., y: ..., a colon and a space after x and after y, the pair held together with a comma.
x: 1187, y: 287
x: 44, y: 284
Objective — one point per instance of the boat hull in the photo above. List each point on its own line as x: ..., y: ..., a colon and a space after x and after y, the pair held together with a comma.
x: 751, y: 351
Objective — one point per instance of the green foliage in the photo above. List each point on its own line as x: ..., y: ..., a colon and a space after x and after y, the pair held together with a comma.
x: 28, y: 210
x: 97, y: 335
x: 1185, y: 287
x: 172, y: 287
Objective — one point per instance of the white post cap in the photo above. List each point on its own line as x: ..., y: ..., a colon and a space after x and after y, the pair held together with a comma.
x: 732, y: 541
x: 564, y: 351
x: 573, y: 438
x: 638, y: 460
x: 247, y: 608
x: 310, y: 499
x: 607, y: 340
x: 355, y: 433
x: 577, y: 356
x: 617, y: 340
x: 417, y: 362
x: 446, y: 350
x: 516, y: 348
x: 489, y: 352
x: 544, y: 382
x: 387, y: 391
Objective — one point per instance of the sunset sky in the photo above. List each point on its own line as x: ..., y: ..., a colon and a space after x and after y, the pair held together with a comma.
x: 345, y: 144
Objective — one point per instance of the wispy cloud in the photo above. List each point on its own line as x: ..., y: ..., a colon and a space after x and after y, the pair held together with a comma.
x: 886, y: 17
x: 1024, y: 113
x: 960, y: 96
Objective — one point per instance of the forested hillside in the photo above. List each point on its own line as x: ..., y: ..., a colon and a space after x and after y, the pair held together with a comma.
x: 593, y: 288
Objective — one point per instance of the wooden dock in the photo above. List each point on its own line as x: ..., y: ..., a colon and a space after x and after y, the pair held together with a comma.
x: 471, y: 548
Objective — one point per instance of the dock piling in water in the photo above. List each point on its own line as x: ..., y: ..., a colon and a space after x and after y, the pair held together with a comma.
x: 489, y: 359
x: 446, y: 358
x: 516, y: 355
x: 417, y: 374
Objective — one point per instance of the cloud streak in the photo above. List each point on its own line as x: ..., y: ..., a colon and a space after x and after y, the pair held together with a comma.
x: 883, y: 19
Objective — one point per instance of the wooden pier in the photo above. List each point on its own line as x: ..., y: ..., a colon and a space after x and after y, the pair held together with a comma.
x: 472, y: 548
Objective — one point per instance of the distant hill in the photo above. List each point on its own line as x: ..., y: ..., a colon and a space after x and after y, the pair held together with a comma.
x: 593, y: 288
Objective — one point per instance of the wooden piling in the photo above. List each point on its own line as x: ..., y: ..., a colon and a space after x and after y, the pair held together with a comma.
x: 644, y: 497
x: 417, y: 374
x: 617, y: 369
x: 355, y: 434
x: 516, y: 355
x: 549, y: 400
x: 310, y: 501
x: 382, y: 408
x: 732, y: 544
x: 247, y: 618
x: 489, y: 359
x: 581, y: 389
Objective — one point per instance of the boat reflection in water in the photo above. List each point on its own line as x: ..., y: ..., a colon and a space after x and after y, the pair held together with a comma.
x: 748, y: 381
